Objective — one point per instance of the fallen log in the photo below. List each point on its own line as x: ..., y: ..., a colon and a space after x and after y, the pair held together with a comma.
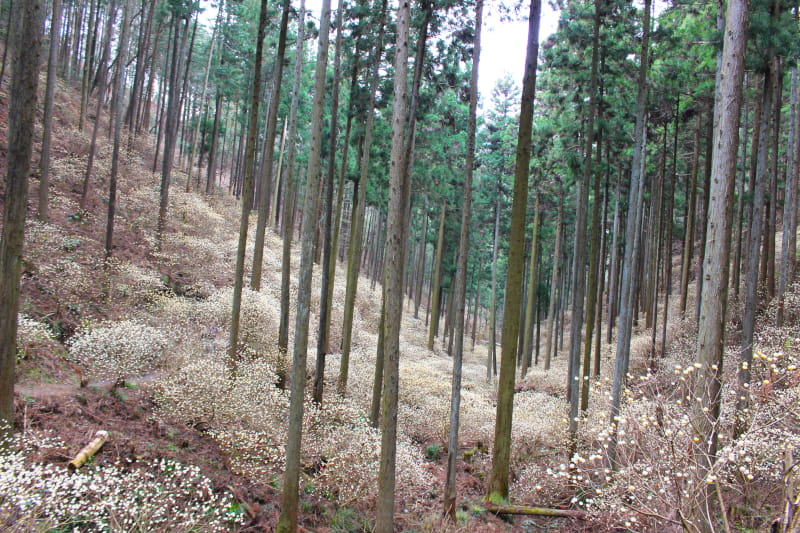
x: 536, y: 511
x: 89, y: 450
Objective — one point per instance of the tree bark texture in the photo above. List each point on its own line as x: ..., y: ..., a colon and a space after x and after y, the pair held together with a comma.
x: 393, y: 278
x: 711, y: 328
x: 27, y: 43
x: 288, y: 519
x: 461, y: 275
x: 498, y: 481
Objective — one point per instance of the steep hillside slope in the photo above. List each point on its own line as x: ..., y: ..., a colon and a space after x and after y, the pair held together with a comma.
x: 211, y: 448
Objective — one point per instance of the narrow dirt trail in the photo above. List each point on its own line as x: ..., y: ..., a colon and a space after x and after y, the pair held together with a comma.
x: 44, y: 391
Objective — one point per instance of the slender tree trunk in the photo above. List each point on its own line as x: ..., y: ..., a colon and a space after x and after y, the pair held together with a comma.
x: 602, y: 270
x: 591, y: 296
x: 196, y: 135
x: 554, y: 282
x: 740, y: 209
x: 631, y: 233
x: 143, y: 118
x: 491, y: 362
x: 63, y: 48
x: 461, y: 276
x: 704, y: 218
x: 212, y: 153
x: 789, y: 201
x: 276, y: 193
x: 357, y: 224
x: 122, y: 52
x: 247, y: 194
x: 423, y: 245
x: 326, y: 275
x: 393, y: 278
x: 101, y: 90
x: 711, y: 328
x: 688, y: 240
x: 656, y: 234
x: 668, y: 225
x: 613, y: 278
x: 162, y: 95
x: 288, y: 517
x: 47, y: 130
x: 436, y: 282
x: 754, y: 247
x: 290, y: 195
x: 579, y: 252
x: 291, y: 187
x: 498, y: 481
x: 88, y: 53
x: 653, y: 241
x: 476, y: 312
x: 563, y: 297
x: 141, y: 63
x: 26, y: 18
x: 171, y: 127
x: 772, y: 199
x: 527, y: 345
x: 269, y: 152
x: 336, y: 249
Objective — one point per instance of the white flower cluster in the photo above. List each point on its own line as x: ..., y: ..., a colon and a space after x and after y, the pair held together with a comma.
x: 248, y: 416
x: 163, y: 496
x: 135, y: 207
x: 134, y: 282
x: 197, y: 250
x: 31, y: 330
x: 69, y: 168
x: 537, y: 425
x: 258, y: 320
x: 774, y: 426
x: 31, y: 333
x: 41, y: 238
x: 658, y: 476
x: 116, y: 350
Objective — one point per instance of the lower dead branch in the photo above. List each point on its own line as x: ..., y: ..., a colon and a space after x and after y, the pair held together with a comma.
x: 536, y: 511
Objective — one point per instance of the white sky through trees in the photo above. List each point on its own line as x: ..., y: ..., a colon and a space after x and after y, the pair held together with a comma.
x: 503, y: 41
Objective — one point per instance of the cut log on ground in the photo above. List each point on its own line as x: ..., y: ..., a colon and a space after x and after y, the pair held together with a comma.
x: 536, y: 511
x: 89, y: 450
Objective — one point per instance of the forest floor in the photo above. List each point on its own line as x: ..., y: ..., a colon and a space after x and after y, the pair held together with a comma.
x: 156, y: 320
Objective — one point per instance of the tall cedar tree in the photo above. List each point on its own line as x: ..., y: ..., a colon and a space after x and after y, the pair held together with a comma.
x: 102, y: 82
x: 122, y: 52
x: 635, y: 193
x: 393, y: 277
x: 27, y: 44
x: 461, y: 274
x: 47, y: 129
x: 288, y: 180
x: 291, y: 479
x: 203, y: 96
x: 419, y: 61
x: 269, y: 152
x: 327, y: 275
x: 789, y: 203
x: 498, y: 482
x: 358, y: 211
x: 711, y: 328
x: 247, y: 192
x: 579, y: 258
x: 172, y: 117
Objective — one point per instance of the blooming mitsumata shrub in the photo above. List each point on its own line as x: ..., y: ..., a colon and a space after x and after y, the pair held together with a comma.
x: 115, y: 350
x: 159, y: 496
